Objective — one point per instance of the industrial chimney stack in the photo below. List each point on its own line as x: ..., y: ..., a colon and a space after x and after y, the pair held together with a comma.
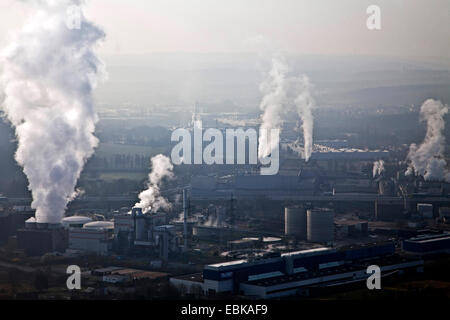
x: 185, y: 214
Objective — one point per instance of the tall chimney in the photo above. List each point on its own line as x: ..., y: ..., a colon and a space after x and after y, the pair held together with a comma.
x: 185, y: 214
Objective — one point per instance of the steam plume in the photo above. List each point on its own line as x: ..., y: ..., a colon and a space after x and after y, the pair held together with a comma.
x: 283, y: 93
x: 305, y: 103
x: 49, y: 74
x: 378, y: 168
x: 427, y: 159
x: 151, y: 199
x: 274, y: 91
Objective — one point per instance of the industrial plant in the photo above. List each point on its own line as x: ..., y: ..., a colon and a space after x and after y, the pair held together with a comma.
x: 163, y: 167
x: 256, y: 236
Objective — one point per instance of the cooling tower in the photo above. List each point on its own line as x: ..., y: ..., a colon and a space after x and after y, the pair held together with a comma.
x: 320, y: 225
x: 295, y: 222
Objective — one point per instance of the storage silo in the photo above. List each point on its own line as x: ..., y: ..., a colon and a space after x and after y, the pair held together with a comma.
x: 75, y: 221
x: 295, y: 222
x: 140, y: 225
x: 320, y: 224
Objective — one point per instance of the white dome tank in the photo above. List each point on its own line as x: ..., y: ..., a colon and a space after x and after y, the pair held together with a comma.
x: 99, y: 225
x: 75, y: 221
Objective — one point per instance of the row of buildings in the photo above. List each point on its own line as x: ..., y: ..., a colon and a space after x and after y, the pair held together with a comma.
x: 297, y: 273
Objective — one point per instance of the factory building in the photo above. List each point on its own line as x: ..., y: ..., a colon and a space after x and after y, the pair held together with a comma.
x: 427, y: 244
x: 39, y: 238
x: 352, y: 228
x: 165, y: 240
x: 94, y: 237
x: 215, y: 234
x: 136, y: 229
x: 320, y: 225
x: 425, y: 210
x: 388, y: 210
x: 344, y: 159
x: 250, y: 186
x: 302, y: 283
x: 284, y: 274
x: 140, y: 231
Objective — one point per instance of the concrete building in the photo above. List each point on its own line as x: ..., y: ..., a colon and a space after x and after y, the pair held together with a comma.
x: 39, y: 238
x: 137, y: 229
x: 300, y: 284
x: 94, y: 237
x: 388, y: 210
x: 189, y: 284
x: 165, y: 240
x: 315, y: 266
x: 426, y: 244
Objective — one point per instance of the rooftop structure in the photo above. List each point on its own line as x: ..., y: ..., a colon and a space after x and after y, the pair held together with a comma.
x: 428, y: 244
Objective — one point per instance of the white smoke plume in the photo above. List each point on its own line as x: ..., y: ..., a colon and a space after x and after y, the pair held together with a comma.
x: 215, y: 220
x: 378, y: 168
x: 281, y: 94
x: 427, y: 159
x: 274, y: 91
x: 305, y: 104
x: 151, y: 199
x: 49, y: 73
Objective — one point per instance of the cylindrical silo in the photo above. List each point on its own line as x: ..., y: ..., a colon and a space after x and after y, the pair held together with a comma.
x: 320, y: 225
x: 139, y: 222
x: 141, y: 230
x: 295, y: 222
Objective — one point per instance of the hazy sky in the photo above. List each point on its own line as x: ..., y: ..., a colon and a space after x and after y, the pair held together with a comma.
x: 409, y: 27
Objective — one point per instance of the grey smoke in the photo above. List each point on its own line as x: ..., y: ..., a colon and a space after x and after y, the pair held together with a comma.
x: 283, y: 93
x: 49, y: 73
x: 378, y: 168
x: 427, y: 159
x: 151, y: 199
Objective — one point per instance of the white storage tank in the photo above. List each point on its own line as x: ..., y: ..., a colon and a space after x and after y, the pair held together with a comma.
x: 75, y: 221
x: 99, y: 225
x: 320, y: 225
x: 295, y: 222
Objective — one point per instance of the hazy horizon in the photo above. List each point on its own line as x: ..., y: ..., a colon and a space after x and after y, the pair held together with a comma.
x: 326, y: 27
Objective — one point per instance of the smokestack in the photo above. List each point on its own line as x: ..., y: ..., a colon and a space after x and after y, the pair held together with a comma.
x: 185, y: 214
